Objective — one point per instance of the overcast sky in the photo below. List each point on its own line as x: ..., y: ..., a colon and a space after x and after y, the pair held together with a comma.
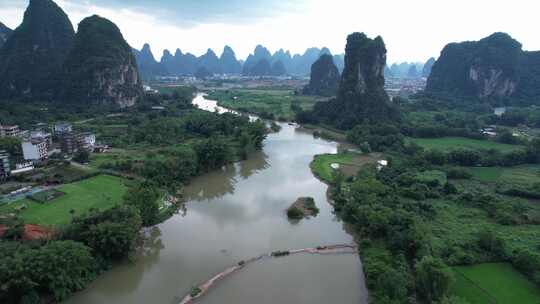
x: 413, y: 30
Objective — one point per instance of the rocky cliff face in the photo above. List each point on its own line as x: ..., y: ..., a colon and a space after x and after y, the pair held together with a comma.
x: 31, y: 58
x: 426, y: 70
x: 210, y: 62
x: 5, y: 32
x: 485, y: 69
x: 361, y: 96
x: 259, y: 54
x: 324, y: 78
x: 365, y: 60
x: 147, y: 64
x: 229, y: 63
x: 101, y: 68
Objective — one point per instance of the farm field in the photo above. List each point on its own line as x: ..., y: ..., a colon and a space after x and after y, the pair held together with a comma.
x: 266, y: 103
x: 99, y: 192
x: 452, y: 143
x: 494, y: 283
x: 526, y: 174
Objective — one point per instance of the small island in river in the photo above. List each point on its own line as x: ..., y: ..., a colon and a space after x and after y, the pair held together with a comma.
x: 303, y: 207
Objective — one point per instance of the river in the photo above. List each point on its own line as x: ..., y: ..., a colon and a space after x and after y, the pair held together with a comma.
x: 238, y: 213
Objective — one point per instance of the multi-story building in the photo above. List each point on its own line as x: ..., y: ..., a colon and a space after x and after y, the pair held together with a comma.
x: 12, y: 131
x: 70, y: 142
x: 35, y: 150
x: 63, y: 128
x: 5, y: 168
x: 42, y: 135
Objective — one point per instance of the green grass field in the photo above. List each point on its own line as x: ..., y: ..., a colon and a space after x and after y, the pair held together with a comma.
x: 524, y: 175
x: 494, y: 283
x: 321, y: 165
x: 275, y: 102
x: 99, y: 192
x: 349, y: 164
x: 452, y: 143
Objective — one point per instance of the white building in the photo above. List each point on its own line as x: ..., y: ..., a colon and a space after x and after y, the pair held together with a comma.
x: 62, y: 128
x: 35, y: 150
x: 88, y: 141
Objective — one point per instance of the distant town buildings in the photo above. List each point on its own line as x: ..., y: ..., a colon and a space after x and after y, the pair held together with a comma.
x: 404, y: 86
x: 35, y: 150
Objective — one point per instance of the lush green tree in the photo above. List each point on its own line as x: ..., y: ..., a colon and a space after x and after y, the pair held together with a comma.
x: 58, y: 268
x: 212, y: 153
x: 111, y: 234
x: 12, y: 145
x: 433, y: 278
x: 82, y: 157
x: 144, y: 197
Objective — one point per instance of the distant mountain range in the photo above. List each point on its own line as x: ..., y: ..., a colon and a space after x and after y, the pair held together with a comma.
x: 260, y: 63
x: 409, y: 69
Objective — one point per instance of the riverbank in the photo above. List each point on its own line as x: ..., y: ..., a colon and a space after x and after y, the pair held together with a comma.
x: 202, y: 289
x: 238, y: 211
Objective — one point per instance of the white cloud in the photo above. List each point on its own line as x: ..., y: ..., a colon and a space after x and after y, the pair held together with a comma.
x: 413, y: 30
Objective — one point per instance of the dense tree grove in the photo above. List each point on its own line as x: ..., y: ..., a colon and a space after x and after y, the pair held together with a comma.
x: 57, y: 267
x: 29, y: 271
x: 391, y: 207
x: 144, y: 197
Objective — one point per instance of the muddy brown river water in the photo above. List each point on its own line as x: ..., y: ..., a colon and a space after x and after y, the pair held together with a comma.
x: 234, y: 214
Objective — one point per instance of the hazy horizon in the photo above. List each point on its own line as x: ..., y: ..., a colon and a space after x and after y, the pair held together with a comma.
x: 413, y: 31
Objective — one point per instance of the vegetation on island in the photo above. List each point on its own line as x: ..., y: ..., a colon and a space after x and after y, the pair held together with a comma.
x: 301, y: 208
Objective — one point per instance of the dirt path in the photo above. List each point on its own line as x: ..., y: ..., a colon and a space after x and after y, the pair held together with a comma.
x: 331, y: 249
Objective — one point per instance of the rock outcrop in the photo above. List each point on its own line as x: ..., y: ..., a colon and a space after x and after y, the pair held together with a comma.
x: 278, y: 69
x: 492, y: 68
x: 32, y: 56
x: 260, y: 68
x: 285, y: 58
x: 257, y: 61
x: 101, y: 68
x: 147, y: 64
x: 324, y: 77
x: 5, y: 32
x: 168, y: 62
x: 426, y: 71
x: 210, y: 62
x: 361, y: 96
x: 412, y: 72
x: 229, y: 63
